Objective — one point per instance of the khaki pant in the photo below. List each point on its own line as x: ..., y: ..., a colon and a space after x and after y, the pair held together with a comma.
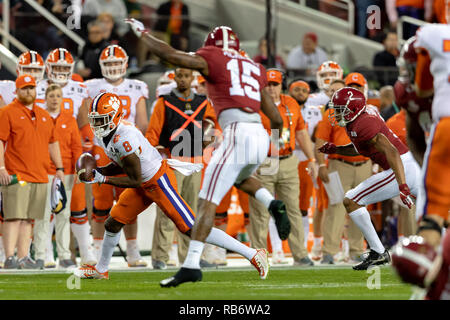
x: 336, y: 216
x: 24, y: 202
x: 62, y: 224
x: 285, y: 185
x: 188, y: 187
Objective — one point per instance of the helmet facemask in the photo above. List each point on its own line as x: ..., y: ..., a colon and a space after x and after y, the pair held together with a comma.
x: 102, y: 124
x: 59, y: 73
x: 36, y: 71
x: 338, y: 115
x: 114, y: 68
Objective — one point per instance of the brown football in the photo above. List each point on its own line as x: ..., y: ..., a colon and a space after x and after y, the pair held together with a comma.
x: 84, y: 166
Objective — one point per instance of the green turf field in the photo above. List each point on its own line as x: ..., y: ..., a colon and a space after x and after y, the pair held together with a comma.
x: 228, y: 283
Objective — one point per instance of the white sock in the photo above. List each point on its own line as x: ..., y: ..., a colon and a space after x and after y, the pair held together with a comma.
x: 110, y: 241
x: 194, y: 254
x: 264, y: 196
x: 275, y: 240
x: 318, y: 241
x: 345, y: 247
x: 132, y: 249
x: 306, y: 229
x: 2, y: 250
x: 221, y: 239
x: 361, y: 218
x: 81, y: 233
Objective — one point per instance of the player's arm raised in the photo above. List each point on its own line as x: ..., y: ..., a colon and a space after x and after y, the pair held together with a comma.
x: 166, y: 52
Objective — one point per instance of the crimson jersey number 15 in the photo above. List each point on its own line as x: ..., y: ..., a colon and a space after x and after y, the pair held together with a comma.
x: 242, y: 81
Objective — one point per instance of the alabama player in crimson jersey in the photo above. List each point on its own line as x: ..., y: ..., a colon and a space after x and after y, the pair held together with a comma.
x: 29, y: 62
x: 236, y: 89
x: 418, y: 110
x: 432, y: 78
x: 133, y: 94
x: 372, y: 138
x: 148, y: 178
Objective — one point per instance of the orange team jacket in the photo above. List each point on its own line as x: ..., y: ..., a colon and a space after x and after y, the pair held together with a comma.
x: 397, y: 124
x: 157, y: 122
x: 337, y: 135
x: 27, y: 134
x: 68, y: 136
x: 292, y: 122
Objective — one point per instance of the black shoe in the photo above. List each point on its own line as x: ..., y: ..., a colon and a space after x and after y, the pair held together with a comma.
x: 183, y: 275
x: 373, y: 259
x: 278, y: 211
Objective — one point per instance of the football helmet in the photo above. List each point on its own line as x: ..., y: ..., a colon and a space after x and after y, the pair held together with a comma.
x: 407, y: 60
x: 105, y: 114
x: 224, y: 38
x: 327, y: 72
x: 166, y: 78
x: 413, y: 259
x: 113, y: 62
x: 31, y: 62
x: 346, y: 105
x: 59, y: 65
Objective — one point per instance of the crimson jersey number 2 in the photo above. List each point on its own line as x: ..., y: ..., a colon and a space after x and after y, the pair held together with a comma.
x: 238, y: 78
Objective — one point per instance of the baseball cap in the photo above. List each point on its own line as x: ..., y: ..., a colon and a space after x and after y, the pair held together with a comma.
x: 312, y: 36
x: 299, y: 83
x: 24, y: 81
x: 274, y: 76
x: 355, y: 78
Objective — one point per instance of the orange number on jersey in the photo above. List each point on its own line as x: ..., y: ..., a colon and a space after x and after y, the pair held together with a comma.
x: 446, y: 45
x: 127, y: 146
x: 126, y: 103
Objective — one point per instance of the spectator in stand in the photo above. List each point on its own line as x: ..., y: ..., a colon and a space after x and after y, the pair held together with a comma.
x: 418, y: 9
x: 262, y: 56
x: 116, y: 8
x: 308, y: 56
x: 388, y: 108
x: 29, y: 133
x: 89, y: 67
x: 173, y: 24
x: 387, y: 59
x: 109, y: 28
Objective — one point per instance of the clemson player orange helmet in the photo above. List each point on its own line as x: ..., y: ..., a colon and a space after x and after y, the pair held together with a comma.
x: 327, y: 72
x: 113, y: 62
x: 105, y: 114
x: 31, y: 62
x: 59, y: 65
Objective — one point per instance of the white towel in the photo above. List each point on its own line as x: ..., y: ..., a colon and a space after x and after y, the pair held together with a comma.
x: 185, y: 168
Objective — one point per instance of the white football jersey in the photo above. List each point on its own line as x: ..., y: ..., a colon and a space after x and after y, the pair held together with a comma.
x: 127, y: 140
x: 130, y: 91
x: 8, y: 91
x: 74, y: 93
x: 317, y: 99
x: 312, y: 115
x: 435, y: 38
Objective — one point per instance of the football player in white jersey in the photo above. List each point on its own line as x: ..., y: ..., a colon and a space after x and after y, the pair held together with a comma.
x: 433, y: 77
x: 29, y: 62
x: 59, y: 68
x: 148, y: 178
x: 133, y: 94
x: 327, y: 72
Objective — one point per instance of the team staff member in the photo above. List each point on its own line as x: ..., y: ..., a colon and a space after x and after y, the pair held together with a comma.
x: 284, y: 183
x: 176, y: 130
x: 29, y: 133
x: 69, y: 139
x: 352, y: 170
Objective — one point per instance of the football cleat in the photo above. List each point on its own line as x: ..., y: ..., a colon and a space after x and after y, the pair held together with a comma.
x: 373, y: 259
x: 90, y: 272
x: 316, y: 252
x: 183, y: 275
x: 279, y: 258
x: 261, y: 262
x: 137, y: 263
x: 278, y: 211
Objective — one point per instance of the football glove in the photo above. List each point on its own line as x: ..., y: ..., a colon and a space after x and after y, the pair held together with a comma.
x: 137, y: 26
x: 98, y: 178
x: 328, y: 148
x: 58, y: 197
x: 406, y: 196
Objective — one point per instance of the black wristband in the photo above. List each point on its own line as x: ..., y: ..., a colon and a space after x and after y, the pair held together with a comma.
x: 62, y: 169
